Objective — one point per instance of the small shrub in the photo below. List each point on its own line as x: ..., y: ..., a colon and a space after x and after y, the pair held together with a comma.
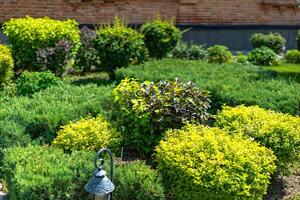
x: 279, y: 132
x: 119, y: 46
x: 55, y: 59
x: 30, y: 82
x: 89, y: 134
x: 201, y: 162
x: 37, y: 173
x: 218, y: 54
x: 240, y: 58
x: 273, y: 41
x: 161, y: 37
x: 293, y: 56
x: 6, y: 65
x: 263, y: 56
x: 145, y: 110
x: 189, y: 52
x: 28, y: 35
x: 136, y: 181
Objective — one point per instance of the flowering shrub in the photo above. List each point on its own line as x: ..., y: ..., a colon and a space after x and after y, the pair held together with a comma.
x: 277, y: 131
x: 145, y: 110
x: 89, y: 134
x: 204, y: 163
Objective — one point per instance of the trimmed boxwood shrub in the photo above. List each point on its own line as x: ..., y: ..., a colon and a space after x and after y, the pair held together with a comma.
x: 273, y: 41
x: 41, y: 115
x: 277, y: 131
x: 137, y: 181
x: 263, y: 56
x: 145, y: 110
x: 30, y: 82
x: 231, y: 84
x: 293, y: 56
x: 218, y: 54
x: 119, y: 46
x: 37, y: 173
x: 89, y: 134
x: 28, y: 35
x: 6, y: 64
x: 161, y: 37
x: 198, y: 162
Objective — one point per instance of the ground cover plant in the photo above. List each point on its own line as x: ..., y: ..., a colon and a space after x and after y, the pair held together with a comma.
x: 229, y: 83
x: 41, y: 115
x: 197, y: 161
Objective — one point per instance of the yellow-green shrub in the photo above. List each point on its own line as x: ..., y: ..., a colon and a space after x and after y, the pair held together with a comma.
x: 87, y: 134
x: 277, y: 131
x: 28, y: 35
x: 204, y: 163
x: 6, y: 64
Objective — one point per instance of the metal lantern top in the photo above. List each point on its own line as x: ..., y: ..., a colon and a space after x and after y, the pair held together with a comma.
x: 100, y: 184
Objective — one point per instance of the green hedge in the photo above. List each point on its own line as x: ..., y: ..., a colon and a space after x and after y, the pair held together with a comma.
x: 42, y: 115
x: 204, y: 163
x: 229, y: 83
x: 42, y: 173
x: 28, y: 35
x: 277, y: 131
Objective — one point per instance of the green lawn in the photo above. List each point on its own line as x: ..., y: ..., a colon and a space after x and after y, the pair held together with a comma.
x: 287, y: 70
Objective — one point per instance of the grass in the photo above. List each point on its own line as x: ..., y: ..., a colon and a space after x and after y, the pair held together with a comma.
x: 287, y: 70
x: 231, y: 84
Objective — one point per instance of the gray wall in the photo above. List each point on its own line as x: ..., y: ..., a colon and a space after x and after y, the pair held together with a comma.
x: 237, y: 38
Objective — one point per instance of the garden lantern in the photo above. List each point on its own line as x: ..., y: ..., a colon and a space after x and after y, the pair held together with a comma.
x: 100, y: 185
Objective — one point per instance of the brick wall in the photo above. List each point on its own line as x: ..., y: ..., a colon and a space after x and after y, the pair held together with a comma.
x: 274, y: 12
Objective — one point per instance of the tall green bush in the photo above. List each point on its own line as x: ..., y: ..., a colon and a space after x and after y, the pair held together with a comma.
x: 6, y: 64
x: 204, y: 163
x: 277, y: 131
x: 119, y: 46
x: 137, y: 181
x: 145, y: 110
x: 161, y: 37
x: 28, y: 35
x: 274, y: 41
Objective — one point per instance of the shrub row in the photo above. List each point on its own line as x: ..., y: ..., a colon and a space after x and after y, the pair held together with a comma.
x: 277, y: 131
x: 145, y: 110
x: 231, y: 84
x: 198, y: 162
x: 37, y: 173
